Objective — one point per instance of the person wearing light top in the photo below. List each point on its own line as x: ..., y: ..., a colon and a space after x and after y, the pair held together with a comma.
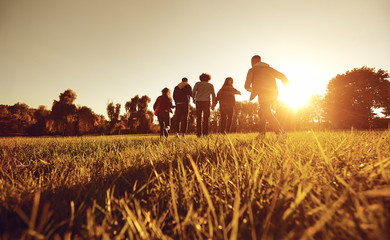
x: 260, y: 81
x: 202, y: 94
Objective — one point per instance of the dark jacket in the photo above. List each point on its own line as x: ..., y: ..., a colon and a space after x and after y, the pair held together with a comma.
x: 162, y: 105
x: 182, y: 93
x: 226, y: 97
x: 260, y: 80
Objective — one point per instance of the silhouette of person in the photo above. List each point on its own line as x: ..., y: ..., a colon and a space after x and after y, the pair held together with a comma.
x: 227, y: 101
x: 182, y: 95
x: 162, y: 107
x: 201, y: 95
x: 260, y: 81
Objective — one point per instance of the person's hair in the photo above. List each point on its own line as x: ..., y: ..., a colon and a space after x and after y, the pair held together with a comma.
x: 205, y: 77
x: 184, y: 79
x: 226, y: 83
x: 255, y: 59
x: 166, y: 92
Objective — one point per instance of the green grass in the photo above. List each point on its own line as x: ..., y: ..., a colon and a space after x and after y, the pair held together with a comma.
x: 314, y: 185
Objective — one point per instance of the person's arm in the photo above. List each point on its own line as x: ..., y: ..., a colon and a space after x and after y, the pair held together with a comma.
x: 219, y: 94
x: 281, y: 76
x: 249, y: 81
x: 175, y: 94
x: 236, y: 91
x: 189, y: 93
x: 214, y: 99
x: 194, y: 92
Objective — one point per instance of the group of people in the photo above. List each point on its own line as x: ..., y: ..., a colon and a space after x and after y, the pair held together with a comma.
x: 260, y: 81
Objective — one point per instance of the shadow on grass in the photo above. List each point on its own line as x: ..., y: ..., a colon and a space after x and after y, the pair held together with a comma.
x: 128, y: 182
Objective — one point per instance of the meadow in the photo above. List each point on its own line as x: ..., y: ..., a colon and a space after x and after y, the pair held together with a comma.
x: 313, y: 185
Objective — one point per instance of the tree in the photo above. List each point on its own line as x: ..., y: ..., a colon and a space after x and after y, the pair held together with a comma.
x: 15, y: 119
x: 191, y: 119
x: 245, y: 117
x: 215, y: 121
x: 41, y: 116
x: 139, y: 118
x: 352, y: 96
x: 145, y: 116
x: 132, y: 113
x: 85, y: 120
x: 113, y: 113
x: 312, y: 114
x: 63, y: 114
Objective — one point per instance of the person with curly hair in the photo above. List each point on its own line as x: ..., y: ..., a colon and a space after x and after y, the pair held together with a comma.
x: 202, y: 94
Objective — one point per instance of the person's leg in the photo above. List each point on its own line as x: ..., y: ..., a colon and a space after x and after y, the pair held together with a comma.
x: 229, y: 116
x: 223, y: 120
x: 164, y: 124
x: 178, y: 114
x: 206, y: 116
x: 274, y: 122
x: 262, y: 111
x: 161, y: 123
x: 167, y: 124
x: 176, y: 121
x: 184, y: 123
x: 266, y: 114
x: 199, y: 119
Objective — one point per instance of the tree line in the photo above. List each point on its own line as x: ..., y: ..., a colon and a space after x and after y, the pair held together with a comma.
x: 349, y: 101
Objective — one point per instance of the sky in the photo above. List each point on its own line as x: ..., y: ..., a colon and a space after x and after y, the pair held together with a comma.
x: 110, y: 51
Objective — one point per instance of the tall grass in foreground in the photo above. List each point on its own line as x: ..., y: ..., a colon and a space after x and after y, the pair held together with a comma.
x: 321, y: 185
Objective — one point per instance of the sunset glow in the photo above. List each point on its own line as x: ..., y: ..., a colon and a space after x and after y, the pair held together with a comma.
x: 293, y: 96
x: 305, y: 81
x: 111, y: 51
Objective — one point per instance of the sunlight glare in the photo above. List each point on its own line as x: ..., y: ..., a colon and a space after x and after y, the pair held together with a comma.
x: 305, y: 80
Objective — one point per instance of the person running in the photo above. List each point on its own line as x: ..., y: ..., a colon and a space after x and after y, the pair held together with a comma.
x: 162, y: 107
x: 227, y: 101
x: 182, y: 95
x: 260, y: 81
x: 201, y: 95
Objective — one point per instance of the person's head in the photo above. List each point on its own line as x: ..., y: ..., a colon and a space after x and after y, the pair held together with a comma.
x: 184, y: 79
x: 205, y: 77
x: 255, y: 59
x: 228, y: 81
x: 166, y: 92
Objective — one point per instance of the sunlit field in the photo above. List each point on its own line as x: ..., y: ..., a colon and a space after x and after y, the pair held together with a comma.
x: 313, y: 185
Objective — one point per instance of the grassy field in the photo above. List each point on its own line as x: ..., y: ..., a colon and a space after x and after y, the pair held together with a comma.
x: 314, y: 185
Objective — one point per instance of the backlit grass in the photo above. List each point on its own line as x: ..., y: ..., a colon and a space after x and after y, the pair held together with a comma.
x: 313, y: 185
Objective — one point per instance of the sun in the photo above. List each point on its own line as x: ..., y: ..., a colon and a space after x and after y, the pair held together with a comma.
x: 305, y: 81
x: 293, y: 96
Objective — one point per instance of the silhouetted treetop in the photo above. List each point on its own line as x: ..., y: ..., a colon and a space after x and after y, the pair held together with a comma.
x: 351, y: 97
x: 68, y: 97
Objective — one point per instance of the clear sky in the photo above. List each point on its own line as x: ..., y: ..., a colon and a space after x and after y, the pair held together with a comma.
x: 112, y: 50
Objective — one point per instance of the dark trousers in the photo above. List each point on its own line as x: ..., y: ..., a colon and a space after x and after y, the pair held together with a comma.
x: 226, y: 119
x: 202, y: 124
x: 266, y: 114
x: 181, y: 113
x: 163, y: 120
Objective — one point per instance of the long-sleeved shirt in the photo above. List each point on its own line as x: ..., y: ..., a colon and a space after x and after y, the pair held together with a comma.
x: 202, y: 92
x: 261, y: 80
x: 226, y: 97
x: 162, y: 105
